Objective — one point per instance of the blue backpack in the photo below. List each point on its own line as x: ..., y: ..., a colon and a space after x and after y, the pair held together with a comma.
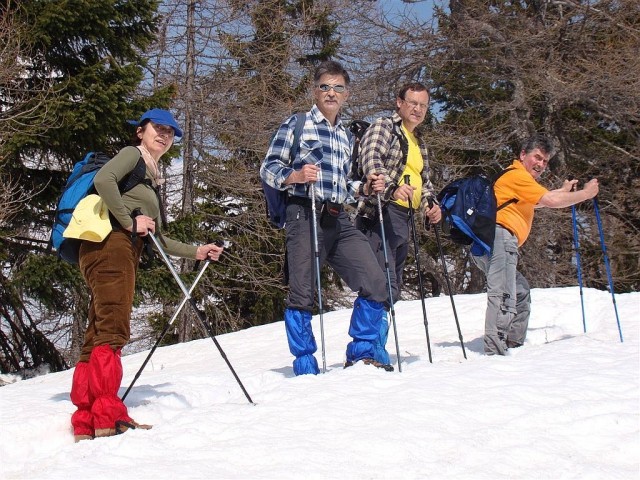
x: 276, y: 200
x: 469, y: 210
x: 79, y: 185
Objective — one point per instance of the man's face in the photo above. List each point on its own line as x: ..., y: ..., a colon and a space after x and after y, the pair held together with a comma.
x: 330, y: 101
x: 535, y: 162
x: 413, y: 108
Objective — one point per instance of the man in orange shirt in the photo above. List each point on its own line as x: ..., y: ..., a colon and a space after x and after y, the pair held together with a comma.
x: 508, y: 302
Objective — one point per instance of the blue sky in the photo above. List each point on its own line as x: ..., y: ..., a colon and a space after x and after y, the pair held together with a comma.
x: 422, y: 8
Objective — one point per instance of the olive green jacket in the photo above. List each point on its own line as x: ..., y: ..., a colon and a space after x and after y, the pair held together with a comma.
x: 141, y: 196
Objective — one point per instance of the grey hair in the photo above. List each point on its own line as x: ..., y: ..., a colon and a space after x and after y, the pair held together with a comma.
x: 332, y: 68
x: 540, y: 142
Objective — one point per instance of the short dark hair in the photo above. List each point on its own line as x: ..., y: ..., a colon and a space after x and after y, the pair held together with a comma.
x: 332, y: 68
x: 414, y: 87
x: 136, y: 140
x: 540, y: 142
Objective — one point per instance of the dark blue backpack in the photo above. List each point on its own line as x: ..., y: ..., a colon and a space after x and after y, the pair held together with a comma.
x: 469, y: 210
x: 276, y: 200
x: 79, y: 185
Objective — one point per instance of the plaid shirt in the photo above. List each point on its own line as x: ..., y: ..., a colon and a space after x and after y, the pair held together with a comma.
x: 327, y: 146
x: 384, y: 149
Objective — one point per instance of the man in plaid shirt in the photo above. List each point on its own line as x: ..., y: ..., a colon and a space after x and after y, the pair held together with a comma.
x: 392, y: 146
x: 324, y: 159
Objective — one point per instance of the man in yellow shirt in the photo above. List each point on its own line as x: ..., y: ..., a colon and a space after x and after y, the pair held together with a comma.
x: 508, y: 302
x: 394, y: 147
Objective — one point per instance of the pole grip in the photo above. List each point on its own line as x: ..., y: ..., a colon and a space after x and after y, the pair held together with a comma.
x: 219, y: 243
x: 134, y: 213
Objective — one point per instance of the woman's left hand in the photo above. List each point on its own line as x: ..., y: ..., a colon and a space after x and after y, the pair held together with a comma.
x: 210, y: 251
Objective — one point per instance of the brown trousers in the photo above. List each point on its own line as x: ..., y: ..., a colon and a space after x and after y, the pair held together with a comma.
x: 109, y: 268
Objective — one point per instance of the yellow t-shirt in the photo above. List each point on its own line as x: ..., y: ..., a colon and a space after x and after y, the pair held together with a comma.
x: 413, y: 168
x: 518, y: 217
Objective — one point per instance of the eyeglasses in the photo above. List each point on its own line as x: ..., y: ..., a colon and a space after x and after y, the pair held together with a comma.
x: 414, y: 104
x: 325, y: 87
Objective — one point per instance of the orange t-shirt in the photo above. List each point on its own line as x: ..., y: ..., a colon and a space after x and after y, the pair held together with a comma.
x: 517, y: 217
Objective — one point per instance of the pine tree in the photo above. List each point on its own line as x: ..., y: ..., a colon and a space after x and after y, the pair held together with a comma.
x: 88, y: 54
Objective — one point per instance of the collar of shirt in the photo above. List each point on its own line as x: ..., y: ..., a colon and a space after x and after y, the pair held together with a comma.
x: 397, y: 120
x: 318, y: 117
x: 333, y: 183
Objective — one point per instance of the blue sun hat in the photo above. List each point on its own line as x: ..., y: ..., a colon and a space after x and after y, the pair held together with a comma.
x: 159, y: 117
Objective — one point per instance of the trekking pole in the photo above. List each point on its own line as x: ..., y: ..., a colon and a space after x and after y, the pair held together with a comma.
x: 417, y: 255
x: 199, y: 313
x: 386, y: 265
x: 606, y: 262
x: 166, y: 328
x: 446, y: 277
x: 576, y: 247
x: 316, y: 249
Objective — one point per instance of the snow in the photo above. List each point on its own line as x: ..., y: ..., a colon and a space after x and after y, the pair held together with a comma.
x: 565, y: 405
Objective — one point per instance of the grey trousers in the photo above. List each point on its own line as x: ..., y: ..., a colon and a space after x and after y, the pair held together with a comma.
x: 341, y: 245
x: 508, y: 295
x: 396, y: 232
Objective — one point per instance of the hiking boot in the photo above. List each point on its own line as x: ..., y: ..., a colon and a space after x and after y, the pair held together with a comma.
x: 105, y: 432
x: 121, y: 427
x: 79, y: 438
x: 385, y: 366
x: 371, y: 361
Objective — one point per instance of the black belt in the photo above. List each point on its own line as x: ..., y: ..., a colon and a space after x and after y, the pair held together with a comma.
x: 115, y: 225
x: 306, y: 202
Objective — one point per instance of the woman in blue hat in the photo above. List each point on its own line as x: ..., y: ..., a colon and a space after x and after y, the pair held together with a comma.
x: 109, y: 269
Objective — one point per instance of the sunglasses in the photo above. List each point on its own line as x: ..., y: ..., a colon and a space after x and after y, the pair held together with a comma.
x: 325, y: 87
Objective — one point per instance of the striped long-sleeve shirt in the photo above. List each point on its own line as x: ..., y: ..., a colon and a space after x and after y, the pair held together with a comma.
x: 325, y: 145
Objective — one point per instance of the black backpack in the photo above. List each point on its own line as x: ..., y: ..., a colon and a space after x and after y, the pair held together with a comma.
x: 357, y: 129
